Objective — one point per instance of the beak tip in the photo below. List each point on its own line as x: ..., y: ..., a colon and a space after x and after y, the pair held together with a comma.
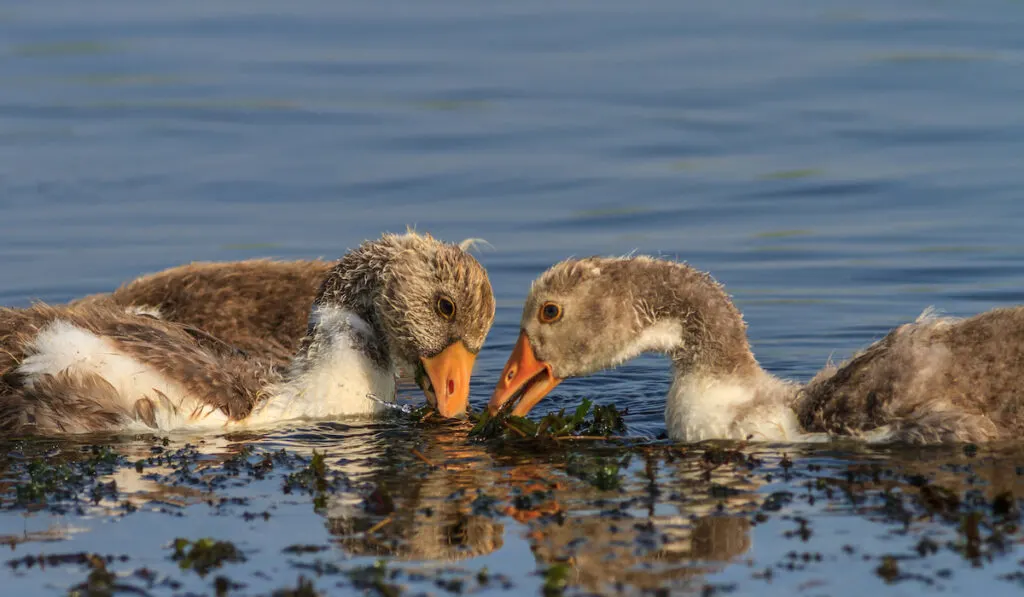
x: 449, y: 373
x: 452, y: 413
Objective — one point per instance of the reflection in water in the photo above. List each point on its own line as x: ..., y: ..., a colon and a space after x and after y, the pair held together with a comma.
x: 612, y: 517
x: 422, y: 512
x: 450, y: 501
x: 663, y: 528
x: 54, y: 531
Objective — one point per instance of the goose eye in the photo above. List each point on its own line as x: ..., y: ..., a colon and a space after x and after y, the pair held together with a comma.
x: 550, y: 312
x: 445, y: 308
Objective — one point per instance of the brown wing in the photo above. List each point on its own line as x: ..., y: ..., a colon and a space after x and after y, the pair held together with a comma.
x: 63, y: 403
x: 68, y: 401
x: 850, y: 398
x: 259, y: 306
x: 228, y: 382
x: 939, y: 379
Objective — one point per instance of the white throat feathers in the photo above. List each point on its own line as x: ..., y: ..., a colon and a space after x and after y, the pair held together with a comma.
x: 704, y: 406
x: 337, y: 373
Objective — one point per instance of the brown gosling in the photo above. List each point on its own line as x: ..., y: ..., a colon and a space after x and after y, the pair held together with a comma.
x: 402, y: 301
x: 934, y: 380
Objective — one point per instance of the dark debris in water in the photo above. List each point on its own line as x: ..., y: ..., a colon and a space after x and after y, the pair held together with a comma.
x: 659, y: 507
x: 317, y: 479
x: 386, y: 579
x: 604, y: 473
x: 100, y: 582
x: 586, y: 421
x: 556, y: 579
x: 204, y: 555
x: 54, y: 560
x: 305, y: 588
x: 48, y: 483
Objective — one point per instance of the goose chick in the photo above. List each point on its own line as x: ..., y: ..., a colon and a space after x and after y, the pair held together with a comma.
x: 934, y: 380
x: 400, y: 301
x: 259, y: 306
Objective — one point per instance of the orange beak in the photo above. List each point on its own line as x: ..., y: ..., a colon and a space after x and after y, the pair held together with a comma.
x: 523, y: 372
x: 449, y: 372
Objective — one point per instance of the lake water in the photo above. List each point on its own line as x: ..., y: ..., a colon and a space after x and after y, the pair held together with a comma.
x: 840, y: 166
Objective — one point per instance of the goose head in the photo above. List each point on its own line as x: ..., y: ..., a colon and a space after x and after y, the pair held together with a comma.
x: 585, y: 315
x: 426, y: 306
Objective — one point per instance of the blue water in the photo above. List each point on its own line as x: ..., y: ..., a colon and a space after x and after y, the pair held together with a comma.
x: 839, y: 166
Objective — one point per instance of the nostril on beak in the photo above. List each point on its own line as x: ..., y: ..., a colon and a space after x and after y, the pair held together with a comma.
x: 451, y: 386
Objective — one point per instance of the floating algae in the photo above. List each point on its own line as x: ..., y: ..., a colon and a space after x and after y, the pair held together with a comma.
x: 604, y: 422
x: 205, y: 554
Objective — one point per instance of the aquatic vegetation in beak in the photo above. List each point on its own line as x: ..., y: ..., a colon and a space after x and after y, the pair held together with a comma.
x: 423, y: 381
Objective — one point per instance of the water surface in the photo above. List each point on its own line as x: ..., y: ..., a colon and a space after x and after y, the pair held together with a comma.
x: 840, y: 166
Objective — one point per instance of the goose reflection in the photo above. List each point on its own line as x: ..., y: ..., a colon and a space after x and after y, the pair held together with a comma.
x: 411, y: 510
x: 643, y: 537
x: 425, y: 494
x: 454, y: 500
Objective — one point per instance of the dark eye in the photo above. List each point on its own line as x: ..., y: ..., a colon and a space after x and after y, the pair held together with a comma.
x: 445, y: 308
x: 550, y: 312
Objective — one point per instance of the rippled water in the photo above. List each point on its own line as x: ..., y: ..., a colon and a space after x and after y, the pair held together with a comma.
x: 840, y: 166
